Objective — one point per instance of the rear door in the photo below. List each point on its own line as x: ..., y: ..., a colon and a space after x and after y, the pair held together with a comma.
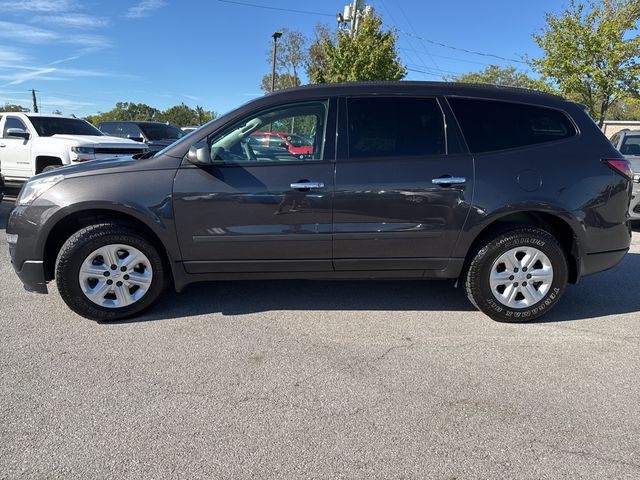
x: 404, y: 184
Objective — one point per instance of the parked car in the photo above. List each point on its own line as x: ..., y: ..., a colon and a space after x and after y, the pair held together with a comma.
x: 509, y: 192
x: 296, y: 144
x: 628, y: 143
x: 156, y: 135
x: 32, y: 143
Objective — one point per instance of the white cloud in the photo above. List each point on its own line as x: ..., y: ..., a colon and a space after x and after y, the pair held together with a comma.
x: 71, y: 20
x: 12, y: 55
x: 144, y: 8
x: 37, y: 5
x: 19, y: 32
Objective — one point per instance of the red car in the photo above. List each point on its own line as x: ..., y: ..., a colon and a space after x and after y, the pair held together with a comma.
x: 296, y: 144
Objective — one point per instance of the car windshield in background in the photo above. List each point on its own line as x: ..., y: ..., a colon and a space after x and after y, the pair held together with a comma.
x: 48, y: 126
x: 298, y: 141
x: 631, y: 145
x: 155, y: 131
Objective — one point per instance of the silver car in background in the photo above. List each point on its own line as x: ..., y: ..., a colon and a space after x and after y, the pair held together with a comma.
x: 628, y: 143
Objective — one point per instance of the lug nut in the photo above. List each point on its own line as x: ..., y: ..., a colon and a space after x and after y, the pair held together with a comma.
x: 106, y: 274
x: 515, y: 284
x: 126, y: 277
x: 113, y: 267
x: 109, y: 282
x: 515, y: 270
x: 524, y: 269
x: 528, y: 275
x: 123, y: 269
x: 524, y: 284
x: 118, y: 284
x: 511, y: 277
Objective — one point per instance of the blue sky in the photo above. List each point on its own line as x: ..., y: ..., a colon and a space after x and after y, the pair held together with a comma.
x: 82, y: 56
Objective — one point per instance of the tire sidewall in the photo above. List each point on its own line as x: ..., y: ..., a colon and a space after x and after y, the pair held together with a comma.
x: 69, y: 283
x: 536, y: 239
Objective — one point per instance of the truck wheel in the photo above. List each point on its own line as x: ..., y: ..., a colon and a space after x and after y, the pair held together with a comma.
x: 517, y: 276
x: 109, y: 272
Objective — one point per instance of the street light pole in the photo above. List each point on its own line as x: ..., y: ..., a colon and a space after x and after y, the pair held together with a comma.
x: 276, y: 36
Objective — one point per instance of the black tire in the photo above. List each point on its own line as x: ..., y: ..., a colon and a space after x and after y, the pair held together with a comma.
x: 49, y: 168
x: 477, y: 274
x: 85, y: 241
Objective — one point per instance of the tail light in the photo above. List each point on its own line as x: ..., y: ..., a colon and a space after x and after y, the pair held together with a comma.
x: 620, y: 166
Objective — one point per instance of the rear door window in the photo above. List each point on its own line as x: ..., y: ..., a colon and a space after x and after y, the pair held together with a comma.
x: 490, y: 125
x: 395, y: 127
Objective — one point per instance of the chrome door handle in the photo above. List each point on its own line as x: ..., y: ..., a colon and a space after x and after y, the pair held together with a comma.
x: 448, y: 180
x: 309, y: 185
x: 2, y: 145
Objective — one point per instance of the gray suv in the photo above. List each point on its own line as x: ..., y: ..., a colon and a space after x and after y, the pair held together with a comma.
x: 510, y: 193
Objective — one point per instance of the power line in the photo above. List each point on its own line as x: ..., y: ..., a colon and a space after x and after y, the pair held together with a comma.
x: 474, y: 52
x: 266, y: 7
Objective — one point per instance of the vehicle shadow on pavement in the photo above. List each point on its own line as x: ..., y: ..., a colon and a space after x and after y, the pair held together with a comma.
x: 595, y: 296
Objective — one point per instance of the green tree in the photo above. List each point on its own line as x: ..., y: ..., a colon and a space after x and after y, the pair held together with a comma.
x: 126, y: 111
x: 369, y: 55
x: 505, y: 76
x: 183, y: 115
x: 283, y: 80
x: 11, y: 107
x: 591, y: 52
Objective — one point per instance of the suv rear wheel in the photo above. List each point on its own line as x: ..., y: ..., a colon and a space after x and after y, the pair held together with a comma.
x: 517, y: 276
x: 109, y: 272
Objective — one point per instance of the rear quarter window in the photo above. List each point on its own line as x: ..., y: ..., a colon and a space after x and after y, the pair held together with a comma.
x: 490, y: 125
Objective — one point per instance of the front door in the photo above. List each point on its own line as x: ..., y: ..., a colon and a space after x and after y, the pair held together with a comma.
x: 403, y: 185
x: 15, y: 153
x: 260, y: 208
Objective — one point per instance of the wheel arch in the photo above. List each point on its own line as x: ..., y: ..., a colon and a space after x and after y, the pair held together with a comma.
x: 559, y: 227
x: 71, y: 223
x: 43, y: 161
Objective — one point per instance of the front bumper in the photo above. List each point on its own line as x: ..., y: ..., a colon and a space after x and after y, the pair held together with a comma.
x: 30, y: 272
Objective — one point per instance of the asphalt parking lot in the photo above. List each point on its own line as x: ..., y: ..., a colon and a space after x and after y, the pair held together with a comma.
x: 285, y: 379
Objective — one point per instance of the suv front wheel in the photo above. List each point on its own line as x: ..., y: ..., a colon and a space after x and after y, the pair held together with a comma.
x: 109, y: 271
x: 517, y: 276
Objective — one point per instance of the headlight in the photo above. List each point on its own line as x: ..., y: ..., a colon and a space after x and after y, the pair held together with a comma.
x: 36, y: 187
x: 83, y: 150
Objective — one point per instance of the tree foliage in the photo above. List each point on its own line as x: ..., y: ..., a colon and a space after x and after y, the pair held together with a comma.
x: 591, y: 52
x: 505, y: 76
x: 369, y: 55
x: 290, y: 58
x: 180, y: 115
x: 11, y: 107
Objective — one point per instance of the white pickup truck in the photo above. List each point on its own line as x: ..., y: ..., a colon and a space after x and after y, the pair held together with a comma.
x: 32, y: 143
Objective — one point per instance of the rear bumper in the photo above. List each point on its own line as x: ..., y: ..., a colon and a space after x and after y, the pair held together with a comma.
x: 598, y: 262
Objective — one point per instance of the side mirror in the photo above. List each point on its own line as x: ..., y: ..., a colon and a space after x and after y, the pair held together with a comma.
x: 199, y: 154
x: 18, y: 133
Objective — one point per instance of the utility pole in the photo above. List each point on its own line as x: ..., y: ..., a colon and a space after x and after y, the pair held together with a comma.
x: 351, y: 17
x: 276, y: 36
x: 35, y: 103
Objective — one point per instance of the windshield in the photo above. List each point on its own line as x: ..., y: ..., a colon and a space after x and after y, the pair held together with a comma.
x: 48, y: 126
x: 160, y: 131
